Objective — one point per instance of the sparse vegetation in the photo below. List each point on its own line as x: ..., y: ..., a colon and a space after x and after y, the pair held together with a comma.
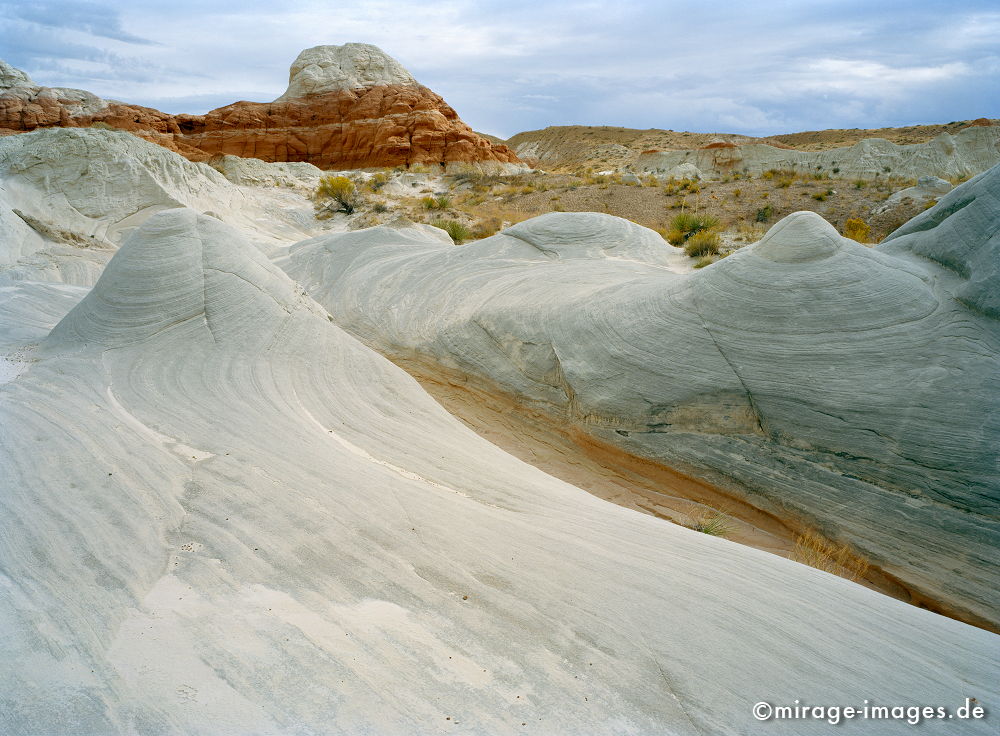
x: 686, y: 224
x: 457, y: 230
x: 679, y: 186
x: 813, y: 550
x: 702, y: 243
x: 378, y: 180
x: 712, y: 522
x: 337, y: 194
x: 436, y: 203
x: 764, y: 214
x: 857, y: 229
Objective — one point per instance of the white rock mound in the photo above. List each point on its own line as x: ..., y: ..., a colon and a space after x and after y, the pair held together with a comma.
x: 807, y: 374
x: 247, y: 522
x: 323, y: 69
x: 70, y: 196
x: 962, y: 234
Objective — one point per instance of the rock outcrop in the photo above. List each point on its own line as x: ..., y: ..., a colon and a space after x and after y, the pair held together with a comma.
x: 222, y: 514
x: 967, y: 152
x: 349, y: 106
x: 70, y: 196
x: 849, y: 389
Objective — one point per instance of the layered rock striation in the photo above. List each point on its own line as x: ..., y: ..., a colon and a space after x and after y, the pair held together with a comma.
x: 234, y: 489
x: 847, y: 389
x: 349, y: 106
x: 965, y: 153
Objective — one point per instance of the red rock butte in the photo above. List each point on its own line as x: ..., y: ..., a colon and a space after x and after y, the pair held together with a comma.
x: 349, y: 106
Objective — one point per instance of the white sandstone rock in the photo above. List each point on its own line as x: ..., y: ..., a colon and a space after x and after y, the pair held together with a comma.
x: 221, y: 514
x: 11, y: 77
x: 81, y: 191
x: 323, y: 69
x: 807, y: 373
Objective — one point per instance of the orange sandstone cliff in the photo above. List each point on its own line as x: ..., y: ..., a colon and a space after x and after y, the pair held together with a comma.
x: 349, y: 106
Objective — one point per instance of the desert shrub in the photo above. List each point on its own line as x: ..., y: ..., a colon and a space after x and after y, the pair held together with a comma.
x: 705, y: 261
x: 811, y: 549
x: 764, y: 214
x: 678, y: 186
x: 860, y: 184
x: 435, y: 203
x: 378, y: 180
x: 712, y: 522
x: 338, y: 194
x: 737, y: 193
x: 702, y: 243
x: 458, y: 232
x: 785, y: 182
x: 380, y: 207
x: 486, y: 228
x: 857, y: 229
x: 101, y: 125
x: 749, y: 233
x: 690, y: 223
x: 779, y: 174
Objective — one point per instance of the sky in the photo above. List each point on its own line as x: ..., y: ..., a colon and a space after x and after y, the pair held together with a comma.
x: 757, y: 68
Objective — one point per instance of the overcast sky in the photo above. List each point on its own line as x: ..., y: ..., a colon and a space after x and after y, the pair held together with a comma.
x: 506, y: 66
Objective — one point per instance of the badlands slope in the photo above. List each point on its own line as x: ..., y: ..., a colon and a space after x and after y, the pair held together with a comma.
x: 603, y: 147
x: 220, y: 513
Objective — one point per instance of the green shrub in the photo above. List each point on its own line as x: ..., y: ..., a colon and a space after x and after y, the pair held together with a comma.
x: 690, y: 223
x: 458, y: 232
x: 435, y: 203
x: 338, y: 193
x: 705, y: 261
x: 764, y: 214
x: 702, y: 243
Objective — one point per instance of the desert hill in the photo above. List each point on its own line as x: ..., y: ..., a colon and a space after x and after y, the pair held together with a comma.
x: 349, y: 106
x: 574, y: 146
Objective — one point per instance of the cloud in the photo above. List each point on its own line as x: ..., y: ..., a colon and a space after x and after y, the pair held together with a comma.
x: 87, y: 17
x: 505, y: 66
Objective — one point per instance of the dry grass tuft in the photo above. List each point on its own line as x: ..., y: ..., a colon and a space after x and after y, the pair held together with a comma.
x: 813, y: 550
x: 711, y: 522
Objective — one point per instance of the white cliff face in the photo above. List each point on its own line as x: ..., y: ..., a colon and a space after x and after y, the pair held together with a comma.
x: 324, y: 69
